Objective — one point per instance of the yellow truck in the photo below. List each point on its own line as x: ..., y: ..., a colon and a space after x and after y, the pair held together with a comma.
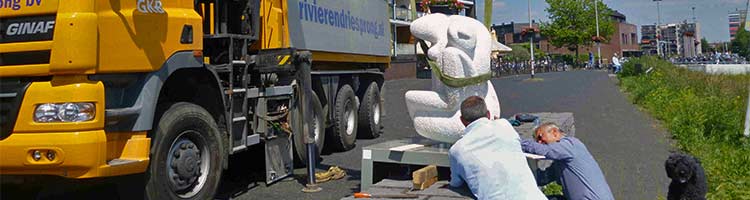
x: 171, y: 88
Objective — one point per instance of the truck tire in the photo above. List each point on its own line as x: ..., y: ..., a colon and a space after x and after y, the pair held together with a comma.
x: 186, y: 156
x: 300, y: 151
x: 369, y: 113
x: 344, y: 133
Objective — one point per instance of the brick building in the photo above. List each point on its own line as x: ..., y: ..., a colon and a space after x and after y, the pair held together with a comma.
x: 624, y: 41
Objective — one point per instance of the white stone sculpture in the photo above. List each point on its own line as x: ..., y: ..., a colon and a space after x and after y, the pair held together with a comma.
x: 461, y: 49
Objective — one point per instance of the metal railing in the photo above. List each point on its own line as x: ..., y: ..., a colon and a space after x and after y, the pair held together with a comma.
x: 405, y: 49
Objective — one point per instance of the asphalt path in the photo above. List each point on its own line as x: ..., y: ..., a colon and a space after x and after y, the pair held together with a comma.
x: 629, y: 146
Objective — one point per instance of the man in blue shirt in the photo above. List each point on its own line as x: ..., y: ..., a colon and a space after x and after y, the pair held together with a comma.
x: 489, y: 158
x: 573, y: 167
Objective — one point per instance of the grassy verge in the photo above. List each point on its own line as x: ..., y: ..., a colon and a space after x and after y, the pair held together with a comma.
x: 705, y: 116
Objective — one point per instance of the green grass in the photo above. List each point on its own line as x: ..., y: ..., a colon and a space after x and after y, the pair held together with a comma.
x: 705, y: 116
x: 552, y: 189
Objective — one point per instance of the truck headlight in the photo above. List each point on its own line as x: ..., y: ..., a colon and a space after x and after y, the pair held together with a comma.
x: 64, y: 112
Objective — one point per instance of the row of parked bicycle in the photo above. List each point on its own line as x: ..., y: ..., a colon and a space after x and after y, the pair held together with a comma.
x: 716, y: 58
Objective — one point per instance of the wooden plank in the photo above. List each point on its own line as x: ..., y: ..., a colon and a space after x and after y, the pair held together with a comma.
x: 425, y: 177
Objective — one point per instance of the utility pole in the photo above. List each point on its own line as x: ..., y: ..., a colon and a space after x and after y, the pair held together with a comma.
x: 413, y: 9
x: 531, y: 41
x: 658, y: 29
x: 747, y: 27
x: 679, y: 38
x: 598, y: 43
x: 693, y: 14
x: 695, y: 35
x: 747, y: 115
x: 393, y: 28
x: 488, y: 13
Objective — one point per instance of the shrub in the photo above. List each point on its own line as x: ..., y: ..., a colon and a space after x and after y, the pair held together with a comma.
x: 704, y: 114
x: 569, y: 59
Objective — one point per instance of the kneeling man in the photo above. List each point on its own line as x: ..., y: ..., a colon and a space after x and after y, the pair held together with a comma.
x: 489, y: 158
x: 573, y: 167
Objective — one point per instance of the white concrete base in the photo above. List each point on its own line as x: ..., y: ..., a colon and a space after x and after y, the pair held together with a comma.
x: 720, y: 68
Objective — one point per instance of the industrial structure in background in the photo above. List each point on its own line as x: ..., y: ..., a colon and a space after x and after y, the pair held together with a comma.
x: 624, y: 40
x: 736, y: 18
x: 405, y: 56
x: 648, y: 40
x: 677, y: 39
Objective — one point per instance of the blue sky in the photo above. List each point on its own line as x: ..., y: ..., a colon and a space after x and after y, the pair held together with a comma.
x: 710, y: 14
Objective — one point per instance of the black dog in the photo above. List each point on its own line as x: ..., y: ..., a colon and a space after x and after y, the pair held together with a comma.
x: 688, y: 178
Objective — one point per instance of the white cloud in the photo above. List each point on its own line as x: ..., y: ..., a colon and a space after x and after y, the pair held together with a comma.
x: 733, y: 1
x: 498, y: 4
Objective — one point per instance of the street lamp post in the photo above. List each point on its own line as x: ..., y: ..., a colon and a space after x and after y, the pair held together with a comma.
x: 531, y: 41
x: 658, y: 31
x: 598, y: 43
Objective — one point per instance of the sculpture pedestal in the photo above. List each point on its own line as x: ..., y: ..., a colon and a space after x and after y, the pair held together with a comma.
x: 422, y: 151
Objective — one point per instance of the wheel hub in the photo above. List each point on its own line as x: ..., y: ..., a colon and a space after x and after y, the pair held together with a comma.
x: 316, y: 125
x: 349, y: 114
x: 185, y: 164
x: 376, y: 113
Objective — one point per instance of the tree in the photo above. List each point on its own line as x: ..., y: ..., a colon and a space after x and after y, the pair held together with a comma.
x: 741, y: 43
x: 705, y: 47
x: 538, y: 52
x: 519, y: 53
x: 573, y: 23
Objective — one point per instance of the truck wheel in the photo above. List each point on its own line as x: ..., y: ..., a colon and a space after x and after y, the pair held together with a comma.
x: 185, y: 155
x: 345, y: 120
x: 300, y: 151
x: 369, y: 113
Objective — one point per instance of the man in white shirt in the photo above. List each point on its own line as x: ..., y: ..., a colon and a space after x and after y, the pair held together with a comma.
x: 489, y: 158
x: 616, y: 64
